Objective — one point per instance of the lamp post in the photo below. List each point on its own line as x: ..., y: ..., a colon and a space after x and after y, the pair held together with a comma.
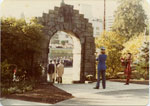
x: 104, y: 15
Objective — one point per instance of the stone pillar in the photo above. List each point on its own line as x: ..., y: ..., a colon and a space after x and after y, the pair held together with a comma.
x: 89, y: 62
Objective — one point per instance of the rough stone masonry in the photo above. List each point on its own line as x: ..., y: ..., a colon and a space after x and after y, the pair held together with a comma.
x: 65, y: 18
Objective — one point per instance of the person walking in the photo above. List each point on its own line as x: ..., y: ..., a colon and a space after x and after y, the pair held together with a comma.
x: 127, y: 63
x: 60, y: 71
x: 51, y: 69
x: 101, y: 68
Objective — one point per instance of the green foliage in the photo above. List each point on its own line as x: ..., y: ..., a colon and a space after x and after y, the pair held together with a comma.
x: 130, y: 18
x: 145, y: 52
x: 21, y: 45
x: 147, y: 29
x: 7, y: 72
x: 113, y: 44
x: 142, y: 66
x: 133, y: 46
x: 17, y: 87
x: 140, y: 55
x: 142, y: 71
x: 63, y: 42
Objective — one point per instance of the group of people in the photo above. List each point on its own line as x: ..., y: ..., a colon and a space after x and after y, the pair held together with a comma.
x: 55, y: 71
x: 67, y: 60
x: 126, y: 62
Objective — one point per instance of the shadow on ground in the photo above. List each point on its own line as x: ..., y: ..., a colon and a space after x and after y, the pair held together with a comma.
x: 143, y: 93
x: 43, y: 93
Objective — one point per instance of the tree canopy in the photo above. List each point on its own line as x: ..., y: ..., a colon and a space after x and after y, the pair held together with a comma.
x: 130, y: 18
x: 21, y: 43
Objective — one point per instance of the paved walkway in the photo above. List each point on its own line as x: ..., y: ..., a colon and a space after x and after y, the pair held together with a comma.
x: 14, y: 102
x: 116, y: 94
x: 68, y: 75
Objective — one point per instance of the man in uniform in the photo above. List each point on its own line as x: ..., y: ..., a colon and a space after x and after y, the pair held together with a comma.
x: 101, y: 68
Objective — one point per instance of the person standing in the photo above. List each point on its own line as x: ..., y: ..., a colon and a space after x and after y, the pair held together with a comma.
x: 55, y: 69
x: 51, y: 69
x: 127, y: 71
x: 60, y: 71
x: 101, y: 68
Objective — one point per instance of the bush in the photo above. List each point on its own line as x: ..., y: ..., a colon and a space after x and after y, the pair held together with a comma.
x: 7, y: 72
x: 21, y: 47
x: 17, y: 87
x: 141, y: 71
x: 33, y: 73
x: 37, y: 72
x: 5, y: 91
x: 142, y: 64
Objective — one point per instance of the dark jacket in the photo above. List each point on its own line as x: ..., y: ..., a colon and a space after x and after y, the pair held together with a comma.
x: 101, y: 62
x: 51, y: 68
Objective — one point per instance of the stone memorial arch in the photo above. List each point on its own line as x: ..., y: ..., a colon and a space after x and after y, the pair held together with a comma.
x: 65, y: 18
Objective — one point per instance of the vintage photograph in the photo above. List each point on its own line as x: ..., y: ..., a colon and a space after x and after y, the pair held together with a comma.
x: 74, y: 52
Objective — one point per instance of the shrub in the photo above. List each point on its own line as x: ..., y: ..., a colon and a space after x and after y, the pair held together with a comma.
x: 7, y: 72
x: 141, y: 71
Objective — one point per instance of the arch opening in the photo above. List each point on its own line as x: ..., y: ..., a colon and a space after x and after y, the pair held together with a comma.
x: 66, y: 46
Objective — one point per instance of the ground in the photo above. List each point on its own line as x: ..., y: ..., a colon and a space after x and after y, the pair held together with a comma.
x: 44, y: 93
x: 144, y: 82
x: 116, y: 93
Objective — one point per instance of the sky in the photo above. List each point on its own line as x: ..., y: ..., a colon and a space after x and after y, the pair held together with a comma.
x: 32, y: 8
x: 35, y: 8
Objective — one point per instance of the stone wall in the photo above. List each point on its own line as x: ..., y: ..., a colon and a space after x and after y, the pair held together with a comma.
x: 65, y: 18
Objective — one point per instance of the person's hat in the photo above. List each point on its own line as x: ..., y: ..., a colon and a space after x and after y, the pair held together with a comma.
x: 102, y: 48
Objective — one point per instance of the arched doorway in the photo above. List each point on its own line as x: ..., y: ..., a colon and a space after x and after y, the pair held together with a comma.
x: 66, y: 47
x: 65, y: 18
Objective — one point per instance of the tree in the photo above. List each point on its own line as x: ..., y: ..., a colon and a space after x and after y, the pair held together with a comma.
x: 133, y: 46
x: 145, y: 52
x: 113, y: 44
x: 147, y: 29
x: 142, y: 66
x: 140, y: 55
x: 130, y: 18
x: 21, y: 44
